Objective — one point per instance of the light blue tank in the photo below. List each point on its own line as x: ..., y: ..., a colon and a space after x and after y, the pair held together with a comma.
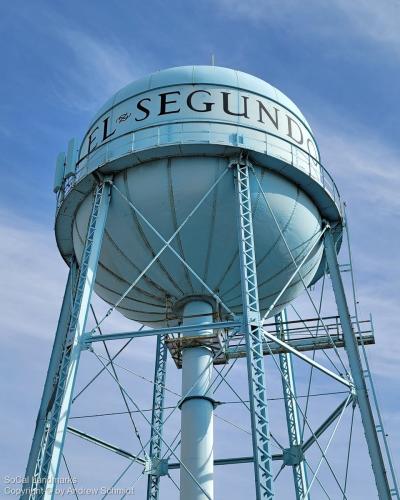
x: 166, y: 138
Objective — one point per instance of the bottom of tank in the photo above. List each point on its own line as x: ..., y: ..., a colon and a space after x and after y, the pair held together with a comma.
x: 165, y: 192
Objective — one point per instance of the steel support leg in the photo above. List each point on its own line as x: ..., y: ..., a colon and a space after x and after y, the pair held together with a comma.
x: 292, y: 412
x: 50, y: 385
x: 351, y: 347
x: 153, y: 481
x: 197, y: 442
x: 53, y: 435
x: 254, y: 337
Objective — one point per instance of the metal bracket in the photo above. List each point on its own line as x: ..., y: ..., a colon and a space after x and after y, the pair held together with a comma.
x: 216, y: 341
x: 293, y: 455
x: 156, y: 466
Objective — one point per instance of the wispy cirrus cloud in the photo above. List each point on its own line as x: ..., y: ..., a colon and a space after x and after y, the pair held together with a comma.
x: 83, y: 67
x: 378, y: 21
x: 33, y: 276
x: 97, y: 69
x: 362, y: 163
x: 368, y: 20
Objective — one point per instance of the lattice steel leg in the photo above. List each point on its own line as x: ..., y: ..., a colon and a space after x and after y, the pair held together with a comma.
x: 254, y: 337
x: 52, y: 439
x: 153, y: 482
x: 292, y: 413
x: 50, y: 385
x: 351, y: 347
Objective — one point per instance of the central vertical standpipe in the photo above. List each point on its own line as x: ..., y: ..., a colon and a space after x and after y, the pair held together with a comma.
x: 197, y: 468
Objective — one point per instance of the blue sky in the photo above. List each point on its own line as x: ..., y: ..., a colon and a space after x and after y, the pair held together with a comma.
x: 338, y: 61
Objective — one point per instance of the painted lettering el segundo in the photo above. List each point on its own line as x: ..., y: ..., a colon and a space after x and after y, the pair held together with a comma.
x: 193, y: 103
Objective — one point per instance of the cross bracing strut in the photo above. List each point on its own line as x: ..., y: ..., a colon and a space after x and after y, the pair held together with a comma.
x: 308, y: 360
x: 101, y: 371
x: 253, y: 332
x: 326, y: 424
x: 135, y: 429
x: 323, y: 457
x: 295, y: 273
x: 297, y: 266
x: 317, y: 479
x: 103, y: 444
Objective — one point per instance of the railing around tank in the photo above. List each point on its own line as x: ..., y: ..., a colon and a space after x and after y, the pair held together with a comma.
x: 269, y: 144
x: 304, y: 161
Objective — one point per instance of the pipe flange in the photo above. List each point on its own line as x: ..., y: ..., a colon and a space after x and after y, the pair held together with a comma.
x: 207, y: 398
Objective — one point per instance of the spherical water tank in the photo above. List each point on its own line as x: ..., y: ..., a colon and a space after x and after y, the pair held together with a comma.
x: 165, y: 140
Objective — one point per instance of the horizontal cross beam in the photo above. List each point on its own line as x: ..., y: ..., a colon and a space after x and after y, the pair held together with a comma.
x: 162, y: 331
x: 130, y: 456
x: 298, y: 327
x: 107, y: 446
x: 230, y: 461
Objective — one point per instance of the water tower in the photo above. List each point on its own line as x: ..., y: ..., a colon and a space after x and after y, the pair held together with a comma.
x: 197, y: 206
